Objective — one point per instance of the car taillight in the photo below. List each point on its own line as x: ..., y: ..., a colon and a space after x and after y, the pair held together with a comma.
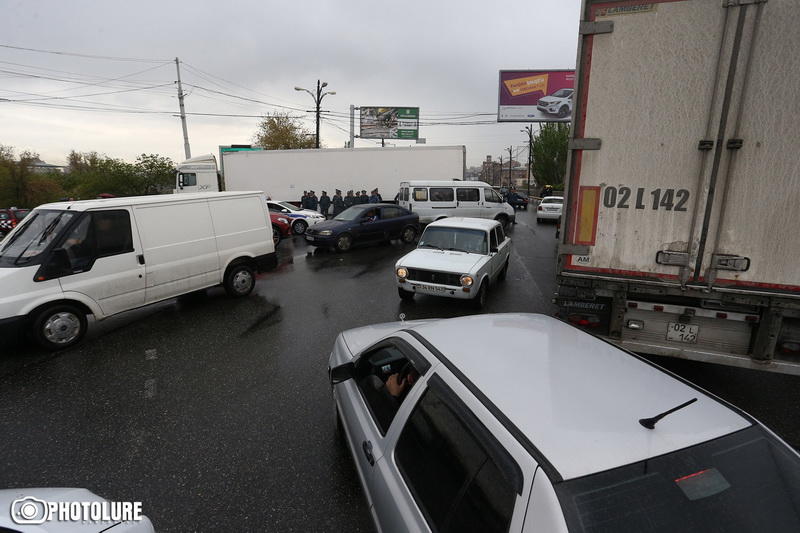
x: 583, y: 320
x: 540, y: 208
x: 13, y: 223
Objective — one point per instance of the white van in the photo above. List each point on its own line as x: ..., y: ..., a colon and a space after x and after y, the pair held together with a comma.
x: 434, y: 200
x: 102, y: 257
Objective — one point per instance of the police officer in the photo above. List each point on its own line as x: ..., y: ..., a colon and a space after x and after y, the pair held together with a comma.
x: 349, y: 200
x: 338, y: 203
x: 304, y: 200
x: 364, y: 197
x: 374, y: 198
x: 312, y: 201
x: 358, y: 198
x: 324, y: 203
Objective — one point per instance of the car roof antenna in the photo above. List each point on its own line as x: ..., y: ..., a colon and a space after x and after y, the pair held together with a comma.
x: 650, y: 423
x: 402, y: 317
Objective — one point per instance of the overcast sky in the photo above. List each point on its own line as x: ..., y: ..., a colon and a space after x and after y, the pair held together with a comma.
x: 440, y: 56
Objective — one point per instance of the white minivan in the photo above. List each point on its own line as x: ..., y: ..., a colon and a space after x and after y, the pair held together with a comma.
x: 434, y: 200
x: 102, y: 257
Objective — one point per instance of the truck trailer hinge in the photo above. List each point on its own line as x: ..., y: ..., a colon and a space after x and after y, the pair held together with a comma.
x: 705, y: 145
x: 734, y: 144
x: 595, y: 27
x: 735, y: 3
x: 736, y: 263
x: 665, y: 257
x: 584, y: 144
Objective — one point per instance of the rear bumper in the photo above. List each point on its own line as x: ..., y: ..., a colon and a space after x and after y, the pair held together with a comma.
x: 548, y: 215
x: 267, y: 262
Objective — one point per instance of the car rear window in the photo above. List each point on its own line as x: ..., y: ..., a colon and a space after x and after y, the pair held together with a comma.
x: 746, y: 481
x: 4, y: 215
x: 552, y: 200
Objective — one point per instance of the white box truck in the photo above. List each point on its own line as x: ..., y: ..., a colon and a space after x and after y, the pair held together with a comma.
x: 680, y: 229
x: 102, y: 257
x: 285, y: 174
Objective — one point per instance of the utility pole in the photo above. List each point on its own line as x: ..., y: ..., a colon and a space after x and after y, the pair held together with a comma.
x: 501, y: 172
x: 186, y: 148
x: 529, y: 130
x: 352, y: 125
x: 317, y: 101
x: 510, y: 158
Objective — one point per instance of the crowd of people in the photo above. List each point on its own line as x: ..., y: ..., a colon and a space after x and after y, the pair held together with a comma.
x: 339, y: 203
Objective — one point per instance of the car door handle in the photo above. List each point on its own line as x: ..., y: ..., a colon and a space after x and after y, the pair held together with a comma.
x: 140, y: 258
x: 367, y: 447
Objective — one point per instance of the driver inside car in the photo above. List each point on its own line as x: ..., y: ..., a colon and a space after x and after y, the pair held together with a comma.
x: 398, y: 386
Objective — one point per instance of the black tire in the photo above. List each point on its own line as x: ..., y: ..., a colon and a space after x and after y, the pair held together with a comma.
x: 405, y: 295
x: 504, y: 272
x: 408, y: 234
x: 344, y: 242
x: 276, y: 236
x: 59, y: 326
x: 479, y: 302
x: 503, y: 220
x: 240, y: 280
x: 299, y: 227
x: 538, y: 220
x: 563, y: 111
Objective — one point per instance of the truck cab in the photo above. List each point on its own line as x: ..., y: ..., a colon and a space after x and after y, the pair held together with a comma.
x: 198, y: 174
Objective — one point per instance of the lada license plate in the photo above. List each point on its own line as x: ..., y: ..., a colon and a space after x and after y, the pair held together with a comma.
x: 428, y: 288
x: 309, y: 238
x: 682, y: 332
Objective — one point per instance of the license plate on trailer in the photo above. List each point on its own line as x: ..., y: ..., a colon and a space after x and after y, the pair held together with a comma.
x: 682, y: 332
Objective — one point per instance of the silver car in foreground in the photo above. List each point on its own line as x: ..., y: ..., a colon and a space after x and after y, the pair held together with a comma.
x: 520, y: 422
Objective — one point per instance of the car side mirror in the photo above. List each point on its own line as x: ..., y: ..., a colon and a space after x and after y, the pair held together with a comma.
x: 494, y: 249
x: 342, y: 372
x: 284, y: 210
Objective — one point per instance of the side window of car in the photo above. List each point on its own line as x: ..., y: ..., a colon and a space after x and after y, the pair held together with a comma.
x: 275, y: 208
x: 420, y: 194
x: 493, y: 240
x: 501, y: 236
x: 189, y: 179
x: 468, y: 195
x: 390, y: 212
x: 442, y: 194
x: 98, y: 234
x: 460, y: 476
x: 405, y: 194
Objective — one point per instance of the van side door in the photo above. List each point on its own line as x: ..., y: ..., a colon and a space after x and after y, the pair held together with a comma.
x: 104, y: 253
x: 468, y: 201
x: 442, y: 201
x: 492, y: 205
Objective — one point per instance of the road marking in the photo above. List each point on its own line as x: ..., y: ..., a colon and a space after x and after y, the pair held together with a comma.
x: 149, y: 388
x: 150, y: 354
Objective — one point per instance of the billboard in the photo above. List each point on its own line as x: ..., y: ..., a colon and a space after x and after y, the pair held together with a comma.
x: 389, y: 122
x: 535, y: 95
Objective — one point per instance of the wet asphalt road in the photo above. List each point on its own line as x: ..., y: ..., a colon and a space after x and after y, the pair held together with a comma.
x: 216, y: 413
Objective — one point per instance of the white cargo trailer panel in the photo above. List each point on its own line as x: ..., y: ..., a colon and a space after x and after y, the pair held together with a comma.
x: 285, y: 174
x: 683, y: 168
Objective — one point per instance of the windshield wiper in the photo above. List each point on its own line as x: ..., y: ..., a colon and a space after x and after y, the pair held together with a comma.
x: 45, y: 232
x: 650, y: 423
x: 426, y: 245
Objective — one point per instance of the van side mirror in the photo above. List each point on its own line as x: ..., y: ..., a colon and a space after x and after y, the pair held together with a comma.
x: 342, y: 372
x: 180, y: 180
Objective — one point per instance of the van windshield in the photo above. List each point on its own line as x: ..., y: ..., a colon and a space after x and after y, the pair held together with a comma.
x: 472, y: 241
x: 745, y: 481
x: 33, y: 236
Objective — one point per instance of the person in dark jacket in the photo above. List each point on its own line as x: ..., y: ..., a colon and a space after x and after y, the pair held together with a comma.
x: 374, y: 198
x: 324, y: 203
x: 312, y: 202
x: 304, y: 200
x: 358, y: 198
x: 349, y: 200
x: 364, y: 197
x: 338, y: 203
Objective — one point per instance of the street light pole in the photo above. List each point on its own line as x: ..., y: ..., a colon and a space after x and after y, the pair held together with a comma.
x: 317, y: 101
x: 510, y: 158
x: 529, y: 130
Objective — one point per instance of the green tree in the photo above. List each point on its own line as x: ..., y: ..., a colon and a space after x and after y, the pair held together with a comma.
x: 282, y: 132
x: 550, y: 153
x: 20, y: 185
x: 155, y: 174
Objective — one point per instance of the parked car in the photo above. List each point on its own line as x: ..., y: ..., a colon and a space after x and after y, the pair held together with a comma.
x: 23, y: 510
x: 281, y: 227
x: 434, y: 200
x: 494, y: 422
x: 365, y: 223
x: 457, y: 258
x: 549, y: 208
x: 301, y: 219
x: 9, y: 218
x: 102, y: 257
x: 517, y: 200
x: 559, y: 103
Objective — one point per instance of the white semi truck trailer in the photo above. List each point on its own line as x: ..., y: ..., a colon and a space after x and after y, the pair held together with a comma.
x: 681, y: 228
x: 285, y: 174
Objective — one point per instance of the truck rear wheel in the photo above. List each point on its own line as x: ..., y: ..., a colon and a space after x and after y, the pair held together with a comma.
x: 59, y: 326
x: 240, y: 280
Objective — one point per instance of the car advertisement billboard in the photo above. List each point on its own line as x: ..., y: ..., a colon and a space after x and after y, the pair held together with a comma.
x: 535, y: 95
x: 389, y: 122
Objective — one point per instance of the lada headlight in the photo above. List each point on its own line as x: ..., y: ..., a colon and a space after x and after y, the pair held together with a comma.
x: 402, y: 273
x: 467, y: 281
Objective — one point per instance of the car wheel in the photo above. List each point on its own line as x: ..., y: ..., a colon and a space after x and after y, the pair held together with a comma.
x: 563, y: 111
x: 299, y: 227
x: 276, y: 236
x: 504, y: 272
x: 344, y: 242
x: 59, y: 326
x: 408, y: 235
x: 538, y: 220
x: 480, y: 300
x: 239, y: 280
x: 405, y: 295
x: 503, y: 220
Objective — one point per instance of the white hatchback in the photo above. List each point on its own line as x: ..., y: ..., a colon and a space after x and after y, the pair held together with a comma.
x: 549, y: 208
x: 457, y: 258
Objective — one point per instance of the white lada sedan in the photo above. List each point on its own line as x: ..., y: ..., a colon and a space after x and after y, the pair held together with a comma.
x: 457, y: 258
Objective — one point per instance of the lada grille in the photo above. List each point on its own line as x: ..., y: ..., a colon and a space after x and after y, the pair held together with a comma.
x: 429, y: 276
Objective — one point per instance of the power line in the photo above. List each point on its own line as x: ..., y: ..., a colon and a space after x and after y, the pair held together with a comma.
x: 93, y: 94
x: 88, y: 56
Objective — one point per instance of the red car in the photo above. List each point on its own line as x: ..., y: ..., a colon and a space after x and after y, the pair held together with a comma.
x: 280, y: 227
x: 9, y: 218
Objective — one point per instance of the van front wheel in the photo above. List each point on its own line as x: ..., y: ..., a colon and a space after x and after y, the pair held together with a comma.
x: 240, y: 280
x: 59, y: 326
